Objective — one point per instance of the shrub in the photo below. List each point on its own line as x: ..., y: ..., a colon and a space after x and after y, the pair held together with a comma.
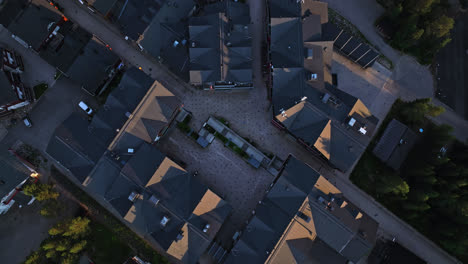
x: 41, y: 191
x: 183, y: 127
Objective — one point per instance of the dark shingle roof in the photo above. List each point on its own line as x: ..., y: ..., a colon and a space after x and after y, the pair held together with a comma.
x: 12, y: 172
x: 92, y: 67
x: 395, y: 144
x: 292, y: 222
x: 7, y: 94
x: 75, y: 147
x: 102, y: 6
x: 220, y: 44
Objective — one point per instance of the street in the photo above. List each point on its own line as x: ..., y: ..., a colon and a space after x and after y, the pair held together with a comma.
x: 249, y: 114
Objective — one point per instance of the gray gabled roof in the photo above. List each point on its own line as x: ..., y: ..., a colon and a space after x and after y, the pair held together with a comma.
x: 32, y: 24
x: 7, y: 94
x: 75, y: 146
x: 91, y: 68
x: 220, y: 44
x: 295, y: 219
x: 102, y: 6
x: 286, y: 42
x: 12, y: 172
x: 395, y: 144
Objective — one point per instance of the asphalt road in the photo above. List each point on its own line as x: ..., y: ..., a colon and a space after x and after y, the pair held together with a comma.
x: 251, y: 117
x: 451, y: 67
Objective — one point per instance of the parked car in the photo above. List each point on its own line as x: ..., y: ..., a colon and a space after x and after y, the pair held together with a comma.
x: 85, y: 107
x: 27, y: 122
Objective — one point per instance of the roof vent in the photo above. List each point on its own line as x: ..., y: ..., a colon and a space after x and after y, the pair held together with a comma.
x: 164, y: 221
x: 303, y: 98
x: 325, y: 98
x: 184, y: 42
x: 283, y: 114
x: 176, y: 43
x: 133, y: 196
x: 128, y: 114
x: 194, y: 44
x: 310, y: 54
x: 312, y: 77
x: 229, y: 44
x: 130, y: 150
x: 351, y: 122
x: 207, y: 226
x: 180, y: 236
x: 154, y: 200
x: 362, y: 130
x: 303, y: 216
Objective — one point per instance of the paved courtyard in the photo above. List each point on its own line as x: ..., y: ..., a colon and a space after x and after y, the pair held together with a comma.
x: 249, y: 114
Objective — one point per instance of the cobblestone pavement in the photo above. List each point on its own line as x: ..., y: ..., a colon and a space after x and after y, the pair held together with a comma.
x: 249, y: 115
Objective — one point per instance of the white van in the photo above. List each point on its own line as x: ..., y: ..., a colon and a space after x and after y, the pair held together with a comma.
x: 85, y: 107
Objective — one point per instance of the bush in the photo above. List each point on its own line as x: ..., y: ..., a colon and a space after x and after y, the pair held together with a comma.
x: 183, y: 127
x: 194, y: 135
x: 40, y: 89
x: 41, y: 192
x: 221, y: 137
x: 210, y: 129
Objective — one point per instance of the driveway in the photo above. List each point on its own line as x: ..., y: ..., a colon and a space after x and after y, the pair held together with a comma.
x: 249, y: 114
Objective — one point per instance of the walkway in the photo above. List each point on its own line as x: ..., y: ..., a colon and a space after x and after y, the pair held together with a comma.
x: 249, y: 115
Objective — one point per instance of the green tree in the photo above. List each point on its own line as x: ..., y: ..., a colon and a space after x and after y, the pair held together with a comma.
x: 34, y: 258
x: 50, y: 208
x: 419, y: 6
x: 77, y: 247
x: 77, y: 227
x: 42, y: 192
x: 49, y: 245
x: 440, y: 26
x: 392, y: 183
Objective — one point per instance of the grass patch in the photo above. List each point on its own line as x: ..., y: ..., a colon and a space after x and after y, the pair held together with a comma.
x: 210, y: 129
x: 40, y: 89
x: 221, y: 137
x: 194, y: 135
x: 184, y: 127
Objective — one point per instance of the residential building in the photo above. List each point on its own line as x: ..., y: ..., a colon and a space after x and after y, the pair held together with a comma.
x: 395, y: 144
x: 12, y: 177
x: 95, y: 68
x: 114, y: 159
x: 78, y: 144
x: 43, y: 28
x: 304, y: 219
x: 327, y: 121
x: 160, y: 199
x: 14, y: 94
x: 220, y: 47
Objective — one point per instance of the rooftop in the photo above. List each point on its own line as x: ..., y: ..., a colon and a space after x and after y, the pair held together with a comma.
x: 395, y: 144
x: 93, y: 66
x: 304, y: 98
x: 56, y: 39
x: 220, y: 44
x: 12, y: 172
x: 302, y: 213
